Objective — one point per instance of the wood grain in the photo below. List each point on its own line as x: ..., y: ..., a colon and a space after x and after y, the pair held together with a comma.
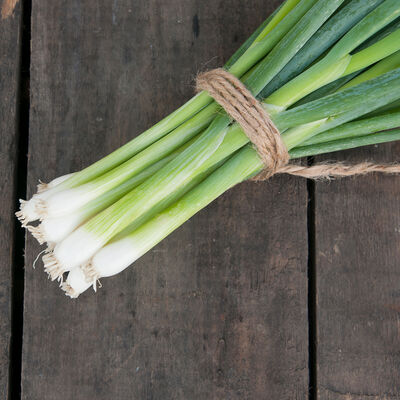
x: 9, y: 70
x: 358, y: 282
x: 219, y: 309
x: 7, y: 8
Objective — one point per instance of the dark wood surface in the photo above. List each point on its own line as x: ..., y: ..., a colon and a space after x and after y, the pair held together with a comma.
x: 358, y: 282
x: 219, y: 309
x: 224, y: 307
x: 9, y: 73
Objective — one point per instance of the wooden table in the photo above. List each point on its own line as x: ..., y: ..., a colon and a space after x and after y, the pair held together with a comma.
x: 280, y: 290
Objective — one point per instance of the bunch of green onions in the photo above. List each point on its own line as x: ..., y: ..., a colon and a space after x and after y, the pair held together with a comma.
x: 327, y: 72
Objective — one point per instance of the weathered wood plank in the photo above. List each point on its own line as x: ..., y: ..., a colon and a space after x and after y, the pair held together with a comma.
x: 219, y: 309
x: 357, y: 253
x: 9, y: 67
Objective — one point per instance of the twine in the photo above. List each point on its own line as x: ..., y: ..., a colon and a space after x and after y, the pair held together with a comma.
x: 245, y: 109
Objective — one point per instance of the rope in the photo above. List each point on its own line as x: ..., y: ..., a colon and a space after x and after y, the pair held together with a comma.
x: 245, y: 109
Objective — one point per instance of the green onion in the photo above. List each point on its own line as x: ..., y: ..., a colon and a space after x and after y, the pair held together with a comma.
x: 345, y: 144
x: 89, y: 238
x: 358, y: 128
x: 328, y: 72
x: 330, y: 32
x: 300, y: 133
x: 339, y: 62
x: 293, y: 11
x: 52, y: 204
x: 237, y: 169
x: 249, y: 54
x: 54, y: 229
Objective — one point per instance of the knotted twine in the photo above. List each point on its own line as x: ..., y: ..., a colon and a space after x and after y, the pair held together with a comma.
x: 245, y: 109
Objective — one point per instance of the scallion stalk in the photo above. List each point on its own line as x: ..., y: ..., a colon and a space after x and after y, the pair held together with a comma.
x: 54, y: 229
x: 345, y: 144
x: 357, y: 128
x: 101, y: 228
x: 330, y: 32
x: 339, y: 61
x: 284, y: 21
x: 249, y: 54
x: 237, y: 169
x: 327, y: 71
